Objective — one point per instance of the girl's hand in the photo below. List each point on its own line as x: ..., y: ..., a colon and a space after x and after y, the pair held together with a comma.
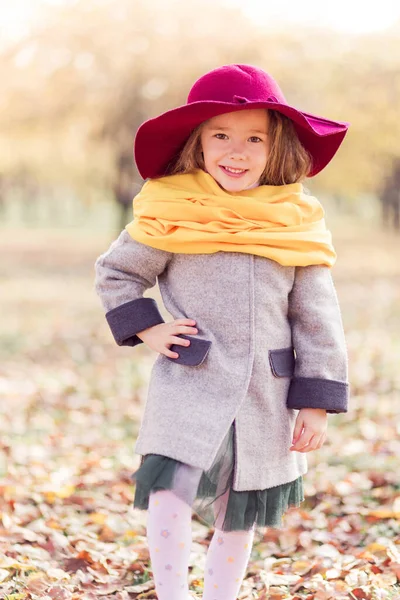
x: 161, y: 337
x: 315, y: 423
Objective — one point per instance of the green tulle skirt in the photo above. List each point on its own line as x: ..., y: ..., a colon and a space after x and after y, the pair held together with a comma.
x: 210, y: 492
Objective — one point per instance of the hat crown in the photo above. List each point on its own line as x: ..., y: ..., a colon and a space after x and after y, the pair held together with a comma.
x: 238, y: 84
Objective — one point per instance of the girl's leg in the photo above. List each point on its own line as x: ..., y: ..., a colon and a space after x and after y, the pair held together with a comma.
x: 169, y: 534
x: 227, y: 558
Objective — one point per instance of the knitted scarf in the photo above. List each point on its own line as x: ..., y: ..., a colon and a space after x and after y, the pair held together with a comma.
x: 191, y: 213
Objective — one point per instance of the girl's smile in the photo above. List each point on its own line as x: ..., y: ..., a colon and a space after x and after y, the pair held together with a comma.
x: 235, y: 148
x: 233, y: 172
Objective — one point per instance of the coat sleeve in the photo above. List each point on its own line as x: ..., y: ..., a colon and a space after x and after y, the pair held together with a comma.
x: 321, y: 368
x: 123, y: 273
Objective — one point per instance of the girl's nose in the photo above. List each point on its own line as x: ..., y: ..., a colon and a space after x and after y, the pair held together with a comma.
x: 237, y: 150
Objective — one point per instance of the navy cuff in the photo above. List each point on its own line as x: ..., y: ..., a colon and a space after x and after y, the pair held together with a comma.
x: 128, y: 319
x: 310, y: 392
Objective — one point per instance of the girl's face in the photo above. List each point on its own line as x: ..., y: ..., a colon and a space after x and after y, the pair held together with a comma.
x: 238, y: 141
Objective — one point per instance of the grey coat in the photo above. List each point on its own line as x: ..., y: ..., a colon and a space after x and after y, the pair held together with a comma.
x: 270, y: 341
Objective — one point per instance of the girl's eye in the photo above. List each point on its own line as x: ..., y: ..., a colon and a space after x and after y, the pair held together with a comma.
x: 254, y: 137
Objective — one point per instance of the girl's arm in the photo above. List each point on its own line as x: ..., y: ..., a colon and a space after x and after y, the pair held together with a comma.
x: 321, y: 371
x: 123, y: 273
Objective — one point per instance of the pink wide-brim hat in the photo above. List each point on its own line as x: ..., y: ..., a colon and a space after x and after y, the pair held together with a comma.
x: 226, y: 89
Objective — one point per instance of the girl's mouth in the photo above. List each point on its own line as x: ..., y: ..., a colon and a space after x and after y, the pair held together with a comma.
x: 233, y: 172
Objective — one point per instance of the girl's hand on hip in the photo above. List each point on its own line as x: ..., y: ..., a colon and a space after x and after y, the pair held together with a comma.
x: 310, y: 429
x: 161, y: 337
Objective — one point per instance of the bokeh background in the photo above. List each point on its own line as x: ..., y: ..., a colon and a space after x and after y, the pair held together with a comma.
x: 77, y: 79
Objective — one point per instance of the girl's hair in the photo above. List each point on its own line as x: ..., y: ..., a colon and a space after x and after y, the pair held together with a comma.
x: 288, y: 160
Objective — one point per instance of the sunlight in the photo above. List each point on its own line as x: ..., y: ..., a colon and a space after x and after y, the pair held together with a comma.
x: 347, y: 16
x: 356, y: 17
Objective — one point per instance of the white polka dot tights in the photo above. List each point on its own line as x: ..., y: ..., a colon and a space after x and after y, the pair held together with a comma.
x: 169, y: 534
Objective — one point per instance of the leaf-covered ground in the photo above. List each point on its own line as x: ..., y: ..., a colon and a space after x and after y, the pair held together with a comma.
x: 71, y: 402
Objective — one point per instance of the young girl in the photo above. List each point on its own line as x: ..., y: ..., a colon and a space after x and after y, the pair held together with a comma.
x: 254, y: 357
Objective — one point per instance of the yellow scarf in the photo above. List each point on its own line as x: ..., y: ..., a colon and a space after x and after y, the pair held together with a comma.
x: 190, y: 213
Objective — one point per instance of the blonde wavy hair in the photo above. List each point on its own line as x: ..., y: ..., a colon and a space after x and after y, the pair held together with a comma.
x: 288, y: 160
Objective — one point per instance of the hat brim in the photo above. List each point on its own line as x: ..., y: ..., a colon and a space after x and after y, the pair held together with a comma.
x: 159, y: 140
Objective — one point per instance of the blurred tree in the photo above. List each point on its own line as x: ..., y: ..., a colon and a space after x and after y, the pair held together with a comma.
x: 390, y: 197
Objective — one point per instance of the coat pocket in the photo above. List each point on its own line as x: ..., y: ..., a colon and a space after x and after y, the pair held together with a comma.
x: 192, y: 355
x: 282, y: 362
